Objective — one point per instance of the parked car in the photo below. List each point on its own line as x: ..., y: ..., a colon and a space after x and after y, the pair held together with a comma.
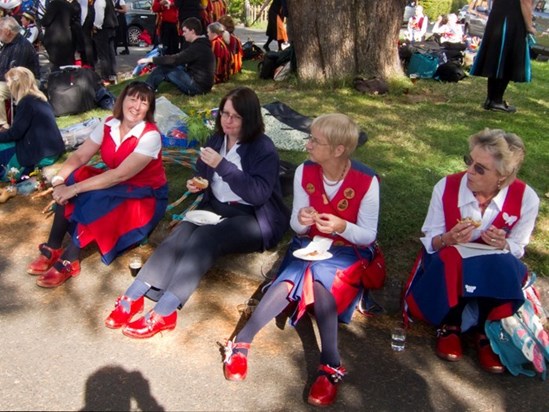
x: 139, y: 17
x: 541, y: 20
x: 476, y: 17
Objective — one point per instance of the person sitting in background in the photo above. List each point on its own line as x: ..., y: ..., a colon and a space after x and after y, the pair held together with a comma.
x: 417, y: 25
x: 456, y: 285
x: 31, y: 31
x: 220, y: 51
x: 192, y: 69
x: 33, y: 140
x: 168, y: 14
x: 241, y: 165
x: 337, y: 199
x: 233, y: 42
x: 449, y: 31
x: 116, y: 207
x: 16, y: 52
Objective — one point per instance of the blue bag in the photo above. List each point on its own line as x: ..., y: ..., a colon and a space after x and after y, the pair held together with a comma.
x: 422, y: 66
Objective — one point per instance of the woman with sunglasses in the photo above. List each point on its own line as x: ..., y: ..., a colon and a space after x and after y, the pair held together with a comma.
x: 116, y: 206
x: 336, y: 203
x: 478, y: 224
x: 241, y: 165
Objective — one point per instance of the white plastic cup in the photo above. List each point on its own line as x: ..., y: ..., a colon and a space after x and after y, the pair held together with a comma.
x: 398, y: 338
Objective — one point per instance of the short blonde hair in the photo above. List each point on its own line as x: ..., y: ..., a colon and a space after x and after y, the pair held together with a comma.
x: 339, y: 129
x: 21, y: 82
x: 507, y: 150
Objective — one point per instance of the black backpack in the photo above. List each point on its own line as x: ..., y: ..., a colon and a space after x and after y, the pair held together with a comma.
x: 251, y: 51
x: 449, y: 72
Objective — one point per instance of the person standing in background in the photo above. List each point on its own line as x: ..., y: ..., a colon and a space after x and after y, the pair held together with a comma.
x: 168, y: 33
x: 87, y: 54
x: 121, y: 9
x: 104, y: 35
x: 188, y: 8
x: 503, y: 55
x: 63, y: 31
x: 277, y: 10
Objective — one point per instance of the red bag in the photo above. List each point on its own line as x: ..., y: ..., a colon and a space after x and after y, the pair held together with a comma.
x: 375, y: 271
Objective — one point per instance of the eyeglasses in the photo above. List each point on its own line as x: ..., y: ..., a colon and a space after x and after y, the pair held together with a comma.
x: 478, y: 167
x: 314, y: 141
x: 229, y: 116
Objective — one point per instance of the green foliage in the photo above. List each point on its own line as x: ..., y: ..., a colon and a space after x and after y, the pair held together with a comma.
x: 236, y: 8
x: 197, y: 128
x: 435, y: 8
x: 457, y: 5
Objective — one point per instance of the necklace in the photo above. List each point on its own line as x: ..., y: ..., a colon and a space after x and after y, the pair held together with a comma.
x: 483, y: 205
x: 326, y: 182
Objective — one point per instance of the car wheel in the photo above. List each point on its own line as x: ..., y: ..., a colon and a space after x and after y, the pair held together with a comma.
x: 133, y: 35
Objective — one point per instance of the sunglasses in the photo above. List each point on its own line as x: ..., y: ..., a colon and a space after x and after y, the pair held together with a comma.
x: 478, y: 167
x: 140, y: 83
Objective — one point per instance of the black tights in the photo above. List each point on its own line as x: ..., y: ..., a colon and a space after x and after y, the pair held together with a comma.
x: 58, y: 230
x: 269, y: 40
x: 496, y: 89
x: 274, y: 302
x: 485, y: 305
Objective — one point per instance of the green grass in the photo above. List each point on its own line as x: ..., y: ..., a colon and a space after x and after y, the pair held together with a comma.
x: 417, y: 134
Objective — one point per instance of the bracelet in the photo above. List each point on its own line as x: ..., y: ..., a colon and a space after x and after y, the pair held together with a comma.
x: 57, y: 178
x: 74, y: 190
x: 442, y: 242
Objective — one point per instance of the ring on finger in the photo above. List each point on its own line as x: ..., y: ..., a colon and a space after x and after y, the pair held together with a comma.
x: 493, y: 240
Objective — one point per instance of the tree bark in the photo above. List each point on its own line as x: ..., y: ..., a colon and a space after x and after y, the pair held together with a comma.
x: 338, y: 39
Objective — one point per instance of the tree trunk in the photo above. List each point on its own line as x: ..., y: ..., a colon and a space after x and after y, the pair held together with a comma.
x: 337, y: 39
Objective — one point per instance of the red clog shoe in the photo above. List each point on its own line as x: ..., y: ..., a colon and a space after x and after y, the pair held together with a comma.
x: 489, y: 361
x: 43, y: 263
x: 324, y: 390
x: 59, y: 273
x: 235, y: 364
x: 448, y: 345
x: 149, y: 325
x: 119, y: 317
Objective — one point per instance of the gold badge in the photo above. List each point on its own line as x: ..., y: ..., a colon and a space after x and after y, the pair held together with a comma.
x: 339, y: 243
x: 310, y: 188
x: 325, y: 199
x: 343, y: 204
x: 349, y: 193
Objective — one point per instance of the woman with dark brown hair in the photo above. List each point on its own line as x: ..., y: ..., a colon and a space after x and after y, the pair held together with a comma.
x: 116, y: 207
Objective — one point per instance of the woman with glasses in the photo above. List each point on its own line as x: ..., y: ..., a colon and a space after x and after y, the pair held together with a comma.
x: 335, y: 216
x: 117, y: 206
x: 478, y: 224
x: 241, y: 166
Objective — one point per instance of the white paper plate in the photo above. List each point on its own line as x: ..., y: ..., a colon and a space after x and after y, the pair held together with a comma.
x: 308, y: 254
x: 472, y: 245
x: 202, y: 217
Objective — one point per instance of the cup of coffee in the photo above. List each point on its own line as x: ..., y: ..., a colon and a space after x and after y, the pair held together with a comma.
x: 136, y: 262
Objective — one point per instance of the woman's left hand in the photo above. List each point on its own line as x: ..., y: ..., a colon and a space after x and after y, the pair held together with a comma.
x: 210, y: 157
x: 328, y: 223
x: 495, y: 237
x: 62, y: 193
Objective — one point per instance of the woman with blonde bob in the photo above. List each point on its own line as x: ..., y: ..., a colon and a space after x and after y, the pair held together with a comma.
x: 33, y: 138
x: 336, y: 203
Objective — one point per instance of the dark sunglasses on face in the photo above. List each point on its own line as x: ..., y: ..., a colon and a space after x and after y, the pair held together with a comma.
x: 478, y: 168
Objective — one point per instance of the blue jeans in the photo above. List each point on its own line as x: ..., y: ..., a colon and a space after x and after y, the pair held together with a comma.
x: 176, y: 75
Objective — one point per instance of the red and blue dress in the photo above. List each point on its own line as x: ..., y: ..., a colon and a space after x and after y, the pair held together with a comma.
x: 346, y: 204
x: 441, y: 279
x: 120, y: 216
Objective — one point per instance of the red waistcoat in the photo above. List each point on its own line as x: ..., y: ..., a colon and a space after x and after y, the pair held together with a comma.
x: 511, y: 206
x: 346, y: 202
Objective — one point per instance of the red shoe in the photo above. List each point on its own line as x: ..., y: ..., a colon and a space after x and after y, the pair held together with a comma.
x: 449, y: 343
x: 119, y: 317
x: 489, y: 361
x: 149, y: 325
x: 324, y: 390
x: 43, y: 263
x: 56, y: 276
x: 235, y: 364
